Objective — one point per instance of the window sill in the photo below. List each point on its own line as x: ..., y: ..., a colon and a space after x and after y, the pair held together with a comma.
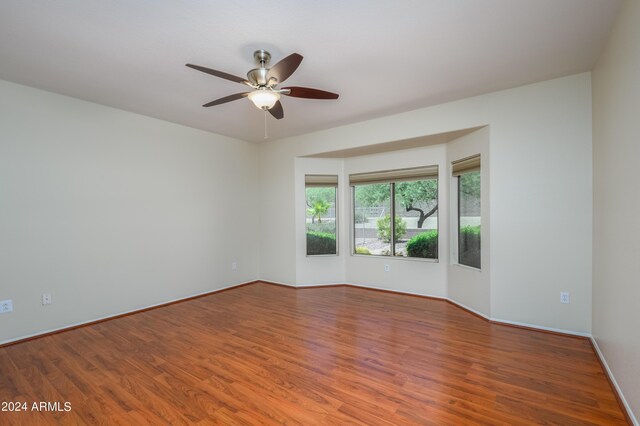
x: 402, y: 258
x: 471, y: 268
x: 323, y: 255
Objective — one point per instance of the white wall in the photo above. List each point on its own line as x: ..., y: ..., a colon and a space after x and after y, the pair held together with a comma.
x: 540, y: 184
x: 616, y: 206
x: 541, y: 197
x: 468, y: 286
x: 110, y: 211
x: 277, y: 219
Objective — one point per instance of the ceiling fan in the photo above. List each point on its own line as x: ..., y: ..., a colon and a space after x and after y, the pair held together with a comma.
x: 264, y: 82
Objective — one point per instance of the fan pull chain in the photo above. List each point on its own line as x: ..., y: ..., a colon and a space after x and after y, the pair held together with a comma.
x: 265, y: 125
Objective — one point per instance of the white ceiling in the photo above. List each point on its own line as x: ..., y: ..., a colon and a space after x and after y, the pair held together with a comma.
x: 382, y: 57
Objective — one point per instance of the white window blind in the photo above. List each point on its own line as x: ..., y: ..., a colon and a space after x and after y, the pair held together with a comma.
x: 466, y: 165
x: 320, y: 180
x: 399, y: 175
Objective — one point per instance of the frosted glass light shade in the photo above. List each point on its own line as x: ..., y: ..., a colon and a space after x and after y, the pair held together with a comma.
x: 264, y: 99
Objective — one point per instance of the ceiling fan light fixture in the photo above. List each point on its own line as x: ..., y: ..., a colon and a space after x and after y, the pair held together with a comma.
x: 264, y: 99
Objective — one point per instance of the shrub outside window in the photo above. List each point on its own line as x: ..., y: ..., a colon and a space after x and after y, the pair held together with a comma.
x: 413, y: 232
x: 321, y: 214
x: 467, y: 173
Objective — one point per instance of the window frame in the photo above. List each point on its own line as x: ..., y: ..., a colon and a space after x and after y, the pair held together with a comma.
x: 337, y: 215
x: 353, y: 225
x: 457, y: 233
x: 392, y: 212
x: 455, y: 258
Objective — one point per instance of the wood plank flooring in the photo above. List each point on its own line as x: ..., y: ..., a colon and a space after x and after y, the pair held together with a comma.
x: 265, y: 354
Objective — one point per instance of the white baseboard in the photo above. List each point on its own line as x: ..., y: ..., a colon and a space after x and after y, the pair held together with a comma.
x: 540, y: 327
x: 613, y: 380
x: 483, y: 315
x: 106, y: 317
x: 280, y: 283
x: 397, y: 291
x: 318, y: 285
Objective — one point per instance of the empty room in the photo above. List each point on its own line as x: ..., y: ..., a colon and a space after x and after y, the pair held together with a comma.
x: 334, y: 212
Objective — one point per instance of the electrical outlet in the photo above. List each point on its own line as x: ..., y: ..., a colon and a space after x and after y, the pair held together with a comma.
x: 234, y: 266
x: 6, y: 306
x: 387, y: 268
x: 46, y: 299
x: 564, y: 297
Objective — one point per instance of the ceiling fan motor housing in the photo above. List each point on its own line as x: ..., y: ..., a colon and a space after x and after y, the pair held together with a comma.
x: 258, y: 76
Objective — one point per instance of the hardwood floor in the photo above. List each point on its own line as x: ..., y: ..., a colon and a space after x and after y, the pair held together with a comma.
x: 264, y: 354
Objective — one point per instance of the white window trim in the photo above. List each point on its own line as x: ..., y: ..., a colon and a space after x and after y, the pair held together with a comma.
x: 337, y: 220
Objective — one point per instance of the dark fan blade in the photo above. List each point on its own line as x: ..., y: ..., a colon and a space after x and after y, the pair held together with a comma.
x: 226, y: 99
x: 277, y: 110
x: 283, y: 69
x: 309, y: 93
x: 219, y: 74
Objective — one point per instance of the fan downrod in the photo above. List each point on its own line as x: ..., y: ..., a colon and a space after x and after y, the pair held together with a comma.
x: 262, y: 57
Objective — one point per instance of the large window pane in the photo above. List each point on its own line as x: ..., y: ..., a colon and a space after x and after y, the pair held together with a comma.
x: 372, y: 219
x: 469, y: 219
x: 321, y: 220
x: 416, y: 224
